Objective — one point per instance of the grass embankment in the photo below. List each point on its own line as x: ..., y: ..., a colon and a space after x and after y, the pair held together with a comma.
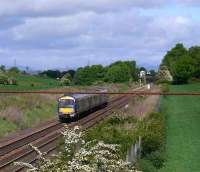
x: 183, y: 126
x: 24, y: 111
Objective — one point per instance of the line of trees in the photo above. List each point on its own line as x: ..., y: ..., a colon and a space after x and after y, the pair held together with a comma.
x: 183, y: 63
x: 117, y: 72
x: 120, y: 71
x: 56, y: 73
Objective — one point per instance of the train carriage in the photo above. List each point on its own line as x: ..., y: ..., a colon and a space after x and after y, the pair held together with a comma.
x: 72, y: 106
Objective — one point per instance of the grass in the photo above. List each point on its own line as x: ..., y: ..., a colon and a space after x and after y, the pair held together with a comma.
x: 31, y: 82
x: 183, y: 126
x: 25, y: 111
x: 18, y: 112
x: 6, y: 127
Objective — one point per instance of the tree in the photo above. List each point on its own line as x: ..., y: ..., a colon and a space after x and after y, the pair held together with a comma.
x: 174, y: 55
x: 118, y: 73
x: 14, y: 70
x: 71, y: 72
x: 3, y: 78
x: 66, y: 79
x: 194, y: 53
x: 164, y: 75
x: 182, y: 70
x: 51, y: 73
x: 152, y: 73
x: 2, y: 68
x: 89, y: 74
x: 183, y: 64
x: 143, y: 69
x: 132, y: 67
x: 121, y: 71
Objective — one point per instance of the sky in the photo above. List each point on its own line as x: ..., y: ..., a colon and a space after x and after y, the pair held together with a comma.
x: 65, y: 34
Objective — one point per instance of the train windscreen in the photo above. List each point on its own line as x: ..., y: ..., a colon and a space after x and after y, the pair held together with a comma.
x: 66, y: 103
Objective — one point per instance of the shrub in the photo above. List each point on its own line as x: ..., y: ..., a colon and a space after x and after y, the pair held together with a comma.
x: 146, y: 166
x: 157, y: 158
x: 165, y: 88
x: 118, y: 129
x: 66, y: 80
x: 81, y: 156
x: 98, y: 83
x: 164, y: 75
x: 12, y: 81
x: 152, y: 130
x: 3, y: 78
x: 14, y: 70
x: 154, y: 133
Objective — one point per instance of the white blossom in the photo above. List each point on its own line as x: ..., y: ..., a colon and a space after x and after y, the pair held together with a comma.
x: 81, y: 156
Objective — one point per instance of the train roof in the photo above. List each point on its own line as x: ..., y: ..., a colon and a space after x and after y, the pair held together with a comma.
x: 78, y: 96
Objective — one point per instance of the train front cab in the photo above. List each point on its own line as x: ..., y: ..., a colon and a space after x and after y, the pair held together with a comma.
x: 66, y: 108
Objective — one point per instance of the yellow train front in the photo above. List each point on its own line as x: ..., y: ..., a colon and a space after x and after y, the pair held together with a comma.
x: 73, y: 106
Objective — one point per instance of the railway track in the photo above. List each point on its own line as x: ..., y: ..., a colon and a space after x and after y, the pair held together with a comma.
x: 46, y: 137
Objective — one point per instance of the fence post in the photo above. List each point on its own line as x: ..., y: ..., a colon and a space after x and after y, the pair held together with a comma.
x: 140, y: 145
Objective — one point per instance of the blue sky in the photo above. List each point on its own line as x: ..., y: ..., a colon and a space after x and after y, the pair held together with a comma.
x: 65, y: 34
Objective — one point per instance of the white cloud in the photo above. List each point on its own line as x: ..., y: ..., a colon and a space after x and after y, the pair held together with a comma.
x: 44, y: 32
x: 35, y: 28
x: 52, y: 7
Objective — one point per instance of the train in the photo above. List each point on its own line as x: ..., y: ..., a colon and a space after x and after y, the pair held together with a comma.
x: 72, y: 107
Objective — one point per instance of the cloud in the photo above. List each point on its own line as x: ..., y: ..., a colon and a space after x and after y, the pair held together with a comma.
x: 49, y: 33
x: 52, y: 7
x: 188, y: 2
x: 34, y: 28
x: 101, y: 38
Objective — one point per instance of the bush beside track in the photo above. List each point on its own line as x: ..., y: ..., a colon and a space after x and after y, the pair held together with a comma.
x: 124, y: 129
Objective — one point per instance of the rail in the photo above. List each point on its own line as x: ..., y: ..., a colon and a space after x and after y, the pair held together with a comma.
x: 18, y: 150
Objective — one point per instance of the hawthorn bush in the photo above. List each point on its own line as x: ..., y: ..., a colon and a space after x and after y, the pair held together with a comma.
x: 81, y: 156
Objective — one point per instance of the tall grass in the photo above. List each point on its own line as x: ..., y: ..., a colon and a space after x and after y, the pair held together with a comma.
x: 19, y: 112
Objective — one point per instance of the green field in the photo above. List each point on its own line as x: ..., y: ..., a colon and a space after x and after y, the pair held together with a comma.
x: 183, y: 130
x: 31, y: 82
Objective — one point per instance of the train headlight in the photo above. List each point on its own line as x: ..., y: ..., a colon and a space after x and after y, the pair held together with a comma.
x: 72, y: 114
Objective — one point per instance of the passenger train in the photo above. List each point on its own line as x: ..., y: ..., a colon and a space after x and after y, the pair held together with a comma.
x: 73, y: 106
